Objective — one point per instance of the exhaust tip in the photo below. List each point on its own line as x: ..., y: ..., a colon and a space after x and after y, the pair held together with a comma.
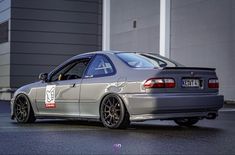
x: 211, y: 115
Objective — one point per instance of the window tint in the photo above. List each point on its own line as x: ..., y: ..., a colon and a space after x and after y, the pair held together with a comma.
x: 100, y: 66
x: 137, y: 60
x: 73, y: 70
x: 77, y: 69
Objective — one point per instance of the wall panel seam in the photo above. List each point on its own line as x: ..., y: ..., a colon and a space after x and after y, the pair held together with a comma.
x: 5, y: 10
x: 55, y: 21
x: 53, y: 43
x: 58, y: 10
x: 34, y: 53
x: 56, y: 32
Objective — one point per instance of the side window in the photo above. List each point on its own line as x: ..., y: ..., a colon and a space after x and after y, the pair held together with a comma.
x: 73, y: 70
x: 100, y: 66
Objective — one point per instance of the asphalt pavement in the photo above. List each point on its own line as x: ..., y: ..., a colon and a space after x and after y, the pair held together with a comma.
x: 150, y: 137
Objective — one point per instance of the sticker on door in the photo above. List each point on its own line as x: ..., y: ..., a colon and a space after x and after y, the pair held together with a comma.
x: 50, y: 96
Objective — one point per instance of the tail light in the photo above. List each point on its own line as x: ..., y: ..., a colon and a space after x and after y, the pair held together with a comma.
x: 213, y: 83
x: 160, y: 83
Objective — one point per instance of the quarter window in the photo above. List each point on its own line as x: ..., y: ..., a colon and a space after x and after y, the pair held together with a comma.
x: 100, y: 66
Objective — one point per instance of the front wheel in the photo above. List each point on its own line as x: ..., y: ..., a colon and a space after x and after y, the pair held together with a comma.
x: 23, y: 111
x: 113, y: 112
x: 186, y: 121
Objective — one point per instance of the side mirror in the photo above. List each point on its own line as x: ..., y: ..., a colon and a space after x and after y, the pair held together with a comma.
x: 43, y: 76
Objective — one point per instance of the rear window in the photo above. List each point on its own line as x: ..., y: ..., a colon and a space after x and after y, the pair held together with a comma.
x: 137, y: 60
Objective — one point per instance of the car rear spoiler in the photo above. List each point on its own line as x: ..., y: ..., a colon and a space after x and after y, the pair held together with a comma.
x: 189, y: 68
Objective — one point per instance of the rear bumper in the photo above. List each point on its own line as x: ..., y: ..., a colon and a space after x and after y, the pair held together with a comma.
x: 168, y: 106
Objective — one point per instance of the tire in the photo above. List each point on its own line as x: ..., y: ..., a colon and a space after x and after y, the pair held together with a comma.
x: 186, y: 121
x: 113, y: 112
x: 23, y: 110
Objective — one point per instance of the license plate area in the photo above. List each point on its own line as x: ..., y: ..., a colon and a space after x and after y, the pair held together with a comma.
x: 191, y: 83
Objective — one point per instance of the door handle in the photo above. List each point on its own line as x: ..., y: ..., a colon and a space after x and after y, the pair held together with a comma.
x: 73, y: 85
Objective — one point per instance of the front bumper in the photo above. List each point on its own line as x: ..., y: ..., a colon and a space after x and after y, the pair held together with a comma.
x: 12, y: 108
x: 169, y: 106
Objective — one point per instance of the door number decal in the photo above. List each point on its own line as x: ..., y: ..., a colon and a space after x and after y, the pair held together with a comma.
x: 50, y: 96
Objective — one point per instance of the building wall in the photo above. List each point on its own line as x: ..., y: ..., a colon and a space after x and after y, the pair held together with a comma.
x: 4, y: 48
x: 201, y: 35
x: 145, y: 37
x: 45, y: 33
x: 232, y: 64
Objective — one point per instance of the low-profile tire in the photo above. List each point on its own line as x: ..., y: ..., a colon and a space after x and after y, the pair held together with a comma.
x: 186, y: 121
x: 113, y: 112
x: 23, y: 110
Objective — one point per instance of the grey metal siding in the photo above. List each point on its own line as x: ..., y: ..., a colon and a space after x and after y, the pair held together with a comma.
x: 145, y: 37
x: 4, y: 47
x: 100, y: 23
x: 4, y: 10
x: 201, y: 35
x: 45, y: 33
x: 232, y: 56
x: 49, y: 48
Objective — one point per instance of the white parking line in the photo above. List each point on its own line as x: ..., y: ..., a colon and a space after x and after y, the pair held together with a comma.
x: 41, y: 129
x: 226, y: 110
x: 8, y: 127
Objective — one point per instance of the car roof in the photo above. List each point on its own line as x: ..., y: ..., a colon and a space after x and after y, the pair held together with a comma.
x: 104, y: 52
x: 115, y: 52
x: 112, y: 52
x: 88, y: 54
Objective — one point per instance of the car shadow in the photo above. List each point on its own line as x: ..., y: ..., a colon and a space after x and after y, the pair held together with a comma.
x: 134, y: 127
x: 171, y: 127
x: 60, y: 122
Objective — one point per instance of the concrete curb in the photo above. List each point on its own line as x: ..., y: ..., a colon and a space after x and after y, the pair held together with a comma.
x: 229, y: 102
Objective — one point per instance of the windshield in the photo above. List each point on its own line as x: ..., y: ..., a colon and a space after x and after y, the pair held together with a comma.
x: 141, y: 60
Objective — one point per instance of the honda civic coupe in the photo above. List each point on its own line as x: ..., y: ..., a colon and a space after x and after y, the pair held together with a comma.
x: 117, y: 88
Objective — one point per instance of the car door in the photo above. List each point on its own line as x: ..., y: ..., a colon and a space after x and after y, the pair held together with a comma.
x: 98, y: 78
x: 60, y: 95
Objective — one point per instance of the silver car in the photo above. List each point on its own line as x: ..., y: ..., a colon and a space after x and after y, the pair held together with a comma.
x: 118, y: 88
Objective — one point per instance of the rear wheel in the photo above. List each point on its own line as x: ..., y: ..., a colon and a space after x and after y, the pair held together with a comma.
x: 186, y: 121
x: 113, y: 112
x: 23, y: 111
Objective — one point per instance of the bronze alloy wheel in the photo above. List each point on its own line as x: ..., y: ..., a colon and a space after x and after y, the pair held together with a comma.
x: 113, y: 112
x: 23, y: 111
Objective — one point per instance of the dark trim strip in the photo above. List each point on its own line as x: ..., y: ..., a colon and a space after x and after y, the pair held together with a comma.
x: 35, y: 43
x: 24, y: 76
x: 5, y: 10
x: 56, y: 32
x: 188, y: 68
x: 39, y: 65
x: 42, y: 54
x: 5, y: 53
x: 55, y: 21
x: 54, y: 43
x: 84, y: 1
x: 58, y: 10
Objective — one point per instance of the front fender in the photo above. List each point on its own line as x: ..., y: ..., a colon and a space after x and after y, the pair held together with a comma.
x: 28, y: 90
